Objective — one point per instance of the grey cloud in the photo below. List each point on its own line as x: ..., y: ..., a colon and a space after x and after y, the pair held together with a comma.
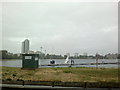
x: 68, y: 27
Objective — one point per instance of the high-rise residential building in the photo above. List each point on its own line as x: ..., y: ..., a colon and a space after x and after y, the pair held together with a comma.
x: 25, y: 46
x: 76, y: 54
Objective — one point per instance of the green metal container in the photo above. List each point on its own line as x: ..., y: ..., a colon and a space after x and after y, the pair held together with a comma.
x: 30, y: 61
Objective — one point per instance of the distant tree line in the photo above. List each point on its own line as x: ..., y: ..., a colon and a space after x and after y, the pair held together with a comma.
x: 7, y: 55
x: 53, y: 56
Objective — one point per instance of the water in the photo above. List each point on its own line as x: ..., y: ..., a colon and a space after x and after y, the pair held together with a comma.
x: 18, y: 63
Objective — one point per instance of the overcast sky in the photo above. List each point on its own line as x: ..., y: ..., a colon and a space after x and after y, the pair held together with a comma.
x: 84, y: 27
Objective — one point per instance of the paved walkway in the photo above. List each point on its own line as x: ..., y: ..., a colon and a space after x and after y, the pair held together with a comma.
x: 35, y: 87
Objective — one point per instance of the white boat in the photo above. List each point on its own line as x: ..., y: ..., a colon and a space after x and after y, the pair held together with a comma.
x: 67, y: 60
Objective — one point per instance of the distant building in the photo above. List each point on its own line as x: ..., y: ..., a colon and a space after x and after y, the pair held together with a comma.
x: 8, y: 53
x: 111, y: 56
x: 85, y: 54
x: 68, y: 54
x: 31, y: 52
x: 75, y: 54
x: 25, y: 46
x: 18, y: 54
x: 38, y: 52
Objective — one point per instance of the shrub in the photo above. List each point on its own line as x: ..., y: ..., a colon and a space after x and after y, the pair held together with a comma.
x: 67, y: 71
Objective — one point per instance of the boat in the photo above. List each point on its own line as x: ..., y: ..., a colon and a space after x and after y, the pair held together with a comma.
x: 52, y: 62
x: 67, y: 60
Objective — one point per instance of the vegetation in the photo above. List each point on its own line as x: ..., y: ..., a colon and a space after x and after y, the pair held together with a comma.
x: 72, y: 74
x: 7, y: 55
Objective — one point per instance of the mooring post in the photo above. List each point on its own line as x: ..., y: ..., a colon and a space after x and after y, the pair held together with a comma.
x: 52, y: 84
x: 109, y: 88
x: 23, y: 82
x: 85, y: 85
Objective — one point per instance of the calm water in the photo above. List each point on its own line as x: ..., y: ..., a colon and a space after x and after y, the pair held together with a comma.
x: 18, y: 63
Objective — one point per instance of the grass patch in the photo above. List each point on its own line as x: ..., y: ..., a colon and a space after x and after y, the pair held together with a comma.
x: 71, y: 74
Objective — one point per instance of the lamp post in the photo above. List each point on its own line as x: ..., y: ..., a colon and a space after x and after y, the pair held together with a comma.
x: 45, y: 52
x: 96, y: 60
x: 41, y: 51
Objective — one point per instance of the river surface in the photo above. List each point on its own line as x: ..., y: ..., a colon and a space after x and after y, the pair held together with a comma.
x: 18, y: 63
